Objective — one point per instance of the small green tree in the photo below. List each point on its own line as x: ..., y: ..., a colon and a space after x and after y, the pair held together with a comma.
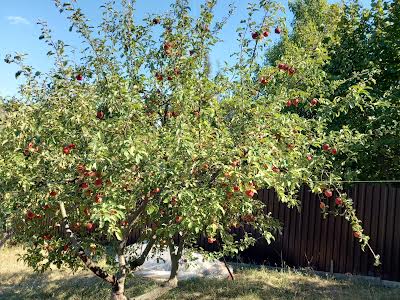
x: 139, y: 136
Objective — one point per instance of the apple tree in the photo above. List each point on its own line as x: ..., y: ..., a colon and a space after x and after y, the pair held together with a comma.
x: 139, y: 135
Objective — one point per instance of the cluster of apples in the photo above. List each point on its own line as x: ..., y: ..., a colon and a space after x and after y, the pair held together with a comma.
x: 287, y: 68
x: 67, y: 149
x: 257, y: 35
x: 327, y: 148
x: 160, y: 77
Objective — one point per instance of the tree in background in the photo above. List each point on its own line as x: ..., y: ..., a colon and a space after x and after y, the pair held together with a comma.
x: 138, y: 136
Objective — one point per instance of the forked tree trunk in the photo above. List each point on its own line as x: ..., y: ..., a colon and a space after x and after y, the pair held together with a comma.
x: 118, y: 291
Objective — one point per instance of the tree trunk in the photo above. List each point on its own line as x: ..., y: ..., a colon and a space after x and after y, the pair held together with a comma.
x: 118, y: 291
x: 175, y: 257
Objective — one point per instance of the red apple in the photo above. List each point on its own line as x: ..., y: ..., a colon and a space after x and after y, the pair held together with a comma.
x: 159, y: 76
x: 211, y: 240
x: 90, y: 226
x: 328, y: 193
x: 255, y: 35
x: 322, y: 205
x: 250, y: 193
x: 100, y: 115
x: 30, y: 215
x: 236, y: 188
x: 357, y: 234
x: 98, y: 198
x: 46, y: 207
x: 291, y: 71
x: 66, y: 150
x: 289, y: 103
x: 326, y: 147
x: 98, y: 182
x: 263, y: 80
x: 278, y: 30
x: 334, y: 151
x: 296, y: 102
x: 309, y: 157
x: 235, y: 163
x: 169, y: 78
x: 84, y: 185
x: 178, y: 219
x: 339, y: 201
x: 53, y: 194
x: 79, y: 77
x: 266, y: 33
x: 155, y: 191
x: 47, y: 237
x: 66, y: 247
x: 275, y: 169
x: 174, y: 201
x: 72, y: 146
x: 314, y: 102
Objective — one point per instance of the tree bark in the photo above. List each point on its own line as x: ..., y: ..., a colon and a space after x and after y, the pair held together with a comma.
x: 175, y: 257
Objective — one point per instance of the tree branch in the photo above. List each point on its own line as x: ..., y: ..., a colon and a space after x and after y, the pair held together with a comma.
x: 80, y: 252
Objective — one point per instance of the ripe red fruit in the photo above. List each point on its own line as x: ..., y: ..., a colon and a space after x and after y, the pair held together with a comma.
x: 47, y: 237
x: 211, y: 240
x: 325, y: 147
x: 322, y: 205
x: 66, y: 150
x: 255, y: 35
x: 339, y: 201
x: 289, y: 103
x: 98, y: 182
x: 278, y: 30
x: 90, y: 226
x: 100, y: 115
x: 328, y: 193
x: 309, y: 157
x: 266, y: 33
x: 275, y: 169
x: 263, y: 80
x: 296, y: 102
x: 72, y: 146
x: 79, y: 77
x: 169, y: 78
x: 27, y: 152
x: 98, y: 198
x: 46, y: 207
x: 53, y: 194
x: 291, y: 71
x: 76, y: 226
x: 30, y: 215
x: 124, y: 223
x: 66, y: 247
x: 314, y: 102
x: 282, y: 67
x: 30, y: 145
x: 84, y: 185
x: 250, y: 193
x: 159, y: 76
x: 155, y: 191
x: 173, y: 201
x: 236, y: 188
x: 334, y: 151
x: 178, y: 219
x: 357, y: 234
x: 81, y: 168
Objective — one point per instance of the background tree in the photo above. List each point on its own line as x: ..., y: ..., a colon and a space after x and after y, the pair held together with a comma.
x: 139, y: 136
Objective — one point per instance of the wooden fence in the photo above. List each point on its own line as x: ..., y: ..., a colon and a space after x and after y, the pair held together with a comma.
x: 309, y: 240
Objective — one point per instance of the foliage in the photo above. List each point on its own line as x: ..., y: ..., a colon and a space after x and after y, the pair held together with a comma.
x: 138, y: 136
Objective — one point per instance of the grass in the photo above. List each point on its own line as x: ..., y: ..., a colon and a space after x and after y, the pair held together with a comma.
x: 19, y: 282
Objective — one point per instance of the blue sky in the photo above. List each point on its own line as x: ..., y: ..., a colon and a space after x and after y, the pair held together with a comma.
x: 19, y: 32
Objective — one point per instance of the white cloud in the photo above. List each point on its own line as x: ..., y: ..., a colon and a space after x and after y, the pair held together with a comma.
x: 16, y: 20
